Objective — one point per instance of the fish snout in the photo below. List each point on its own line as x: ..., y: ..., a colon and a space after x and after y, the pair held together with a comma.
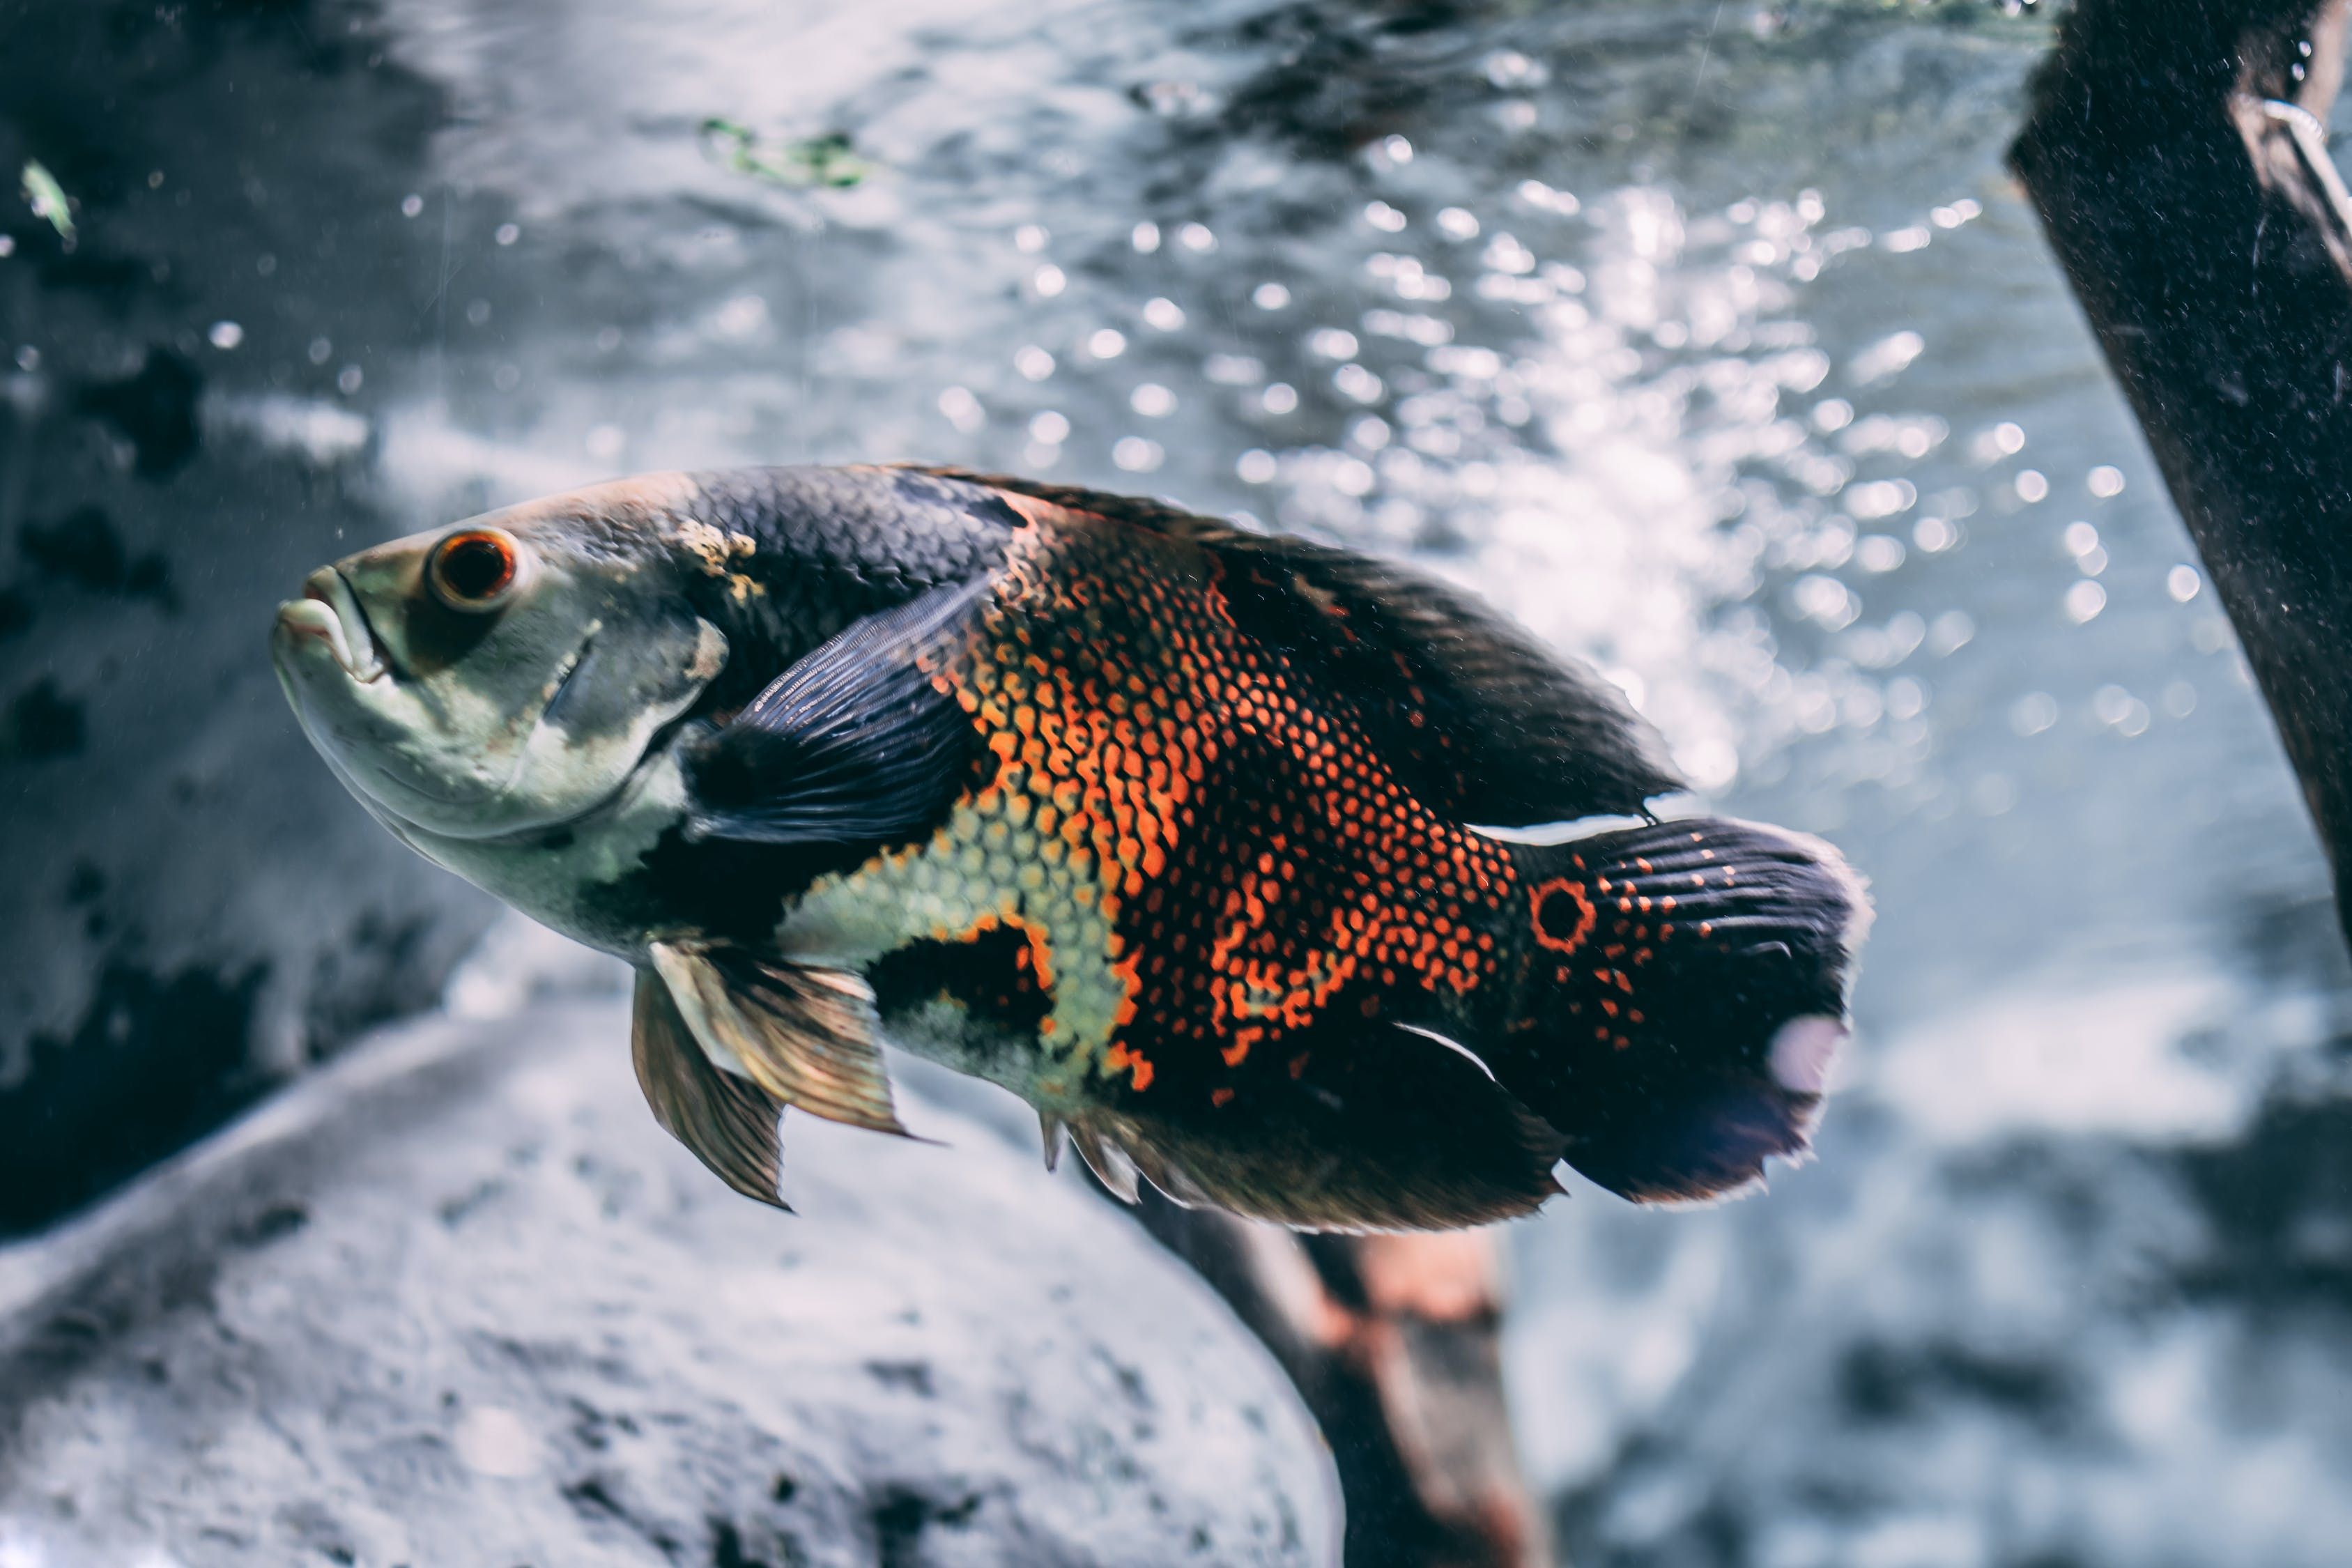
x: 328, y: 614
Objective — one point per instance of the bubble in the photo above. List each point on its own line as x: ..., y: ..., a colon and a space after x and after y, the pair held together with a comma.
x: 1878, y: 552
x: 507, y: 233
x: 962, y: 409
x: 1280, y: 398
x: 1152, y: 401
x: 741, y: 319
x: 1904, y: 240
x: 1144, y: 236
x: 1935, y: 535
x: 320, y: 350
x: 1332, y: 343
x: 1138, y: 456
x: 1993, y: 794
x: 1107, y: 342
x: 2008, y: 438
x: 493, y: 1441
x: 606, y: 442
x: 2080, y: 538
x: 1355, y: 383
x: 2033, y: 713
x: 1832, y: 415
x: 348, y: 379
x: 1504, y: 253
x: 411, y: 205
x: 2105, y: 481
x: 1165, y: 315
x: 1232, y: 369
x: 1395, y: 149
x: 1049, y: 428
x: 2179, y: 699
x: 1368, y: 433
x: 225, y: 335
x: 1824, y: 599
x: 1256, y: 467
x: 1458, y: 224
x: 1887, y: 358
x: 1048, y: 281
x: 1353, y: 477
x: 2083, y: 602
x: 1950, y: 631
x: 1509, y: 69
x: 478, y: 313
x: 1196, y: 238
x: 1033, y: 362
x: 2120, y: 710
x: 2031, y: 485
x: 2182, y: 583
x: 1270, y: 297
x: 1905, y: 698
x: 1030, y: 238
x: 1881, y: 497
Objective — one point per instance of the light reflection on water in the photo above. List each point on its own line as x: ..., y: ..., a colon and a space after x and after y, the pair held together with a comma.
x: 1710, y: 340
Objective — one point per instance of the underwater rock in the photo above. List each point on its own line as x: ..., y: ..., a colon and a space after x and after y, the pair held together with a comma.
x: 456, y: 1298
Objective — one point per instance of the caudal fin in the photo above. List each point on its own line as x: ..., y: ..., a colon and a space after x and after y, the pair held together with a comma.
x: 1683, y: 993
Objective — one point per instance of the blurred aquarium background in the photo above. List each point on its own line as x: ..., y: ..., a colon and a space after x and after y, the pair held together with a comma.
x: 1708, y: 337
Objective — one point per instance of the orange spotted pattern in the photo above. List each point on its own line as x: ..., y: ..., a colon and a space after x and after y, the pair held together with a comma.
x: 1264, y: 882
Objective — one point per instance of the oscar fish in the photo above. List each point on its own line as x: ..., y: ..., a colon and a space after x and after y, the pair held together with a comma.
x: 1194, y: 837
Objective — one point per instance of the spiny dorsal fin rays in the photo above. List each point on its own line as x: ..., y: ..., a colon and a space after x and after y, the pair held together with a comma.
x: 804, y: 1034
x: 729, y: 1122
x: 1108, y: 1161
x: 1049, y: 1129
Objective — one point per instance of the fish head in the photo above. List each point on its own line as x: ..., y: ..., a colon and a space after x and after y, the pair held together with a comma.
x: 506, y: 673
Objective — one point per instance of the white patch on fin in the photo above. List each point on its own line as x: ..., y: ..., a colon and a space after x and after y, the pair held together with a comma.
x: 1804, y: 1050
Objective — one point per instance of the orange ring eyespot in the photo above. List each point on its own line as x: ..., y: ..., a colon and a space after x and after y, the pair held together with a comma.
x: 475, y: 569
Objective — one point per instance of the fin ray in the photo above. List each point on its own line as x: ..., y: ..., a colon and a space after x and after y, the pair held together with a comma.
x: 730, y: 1123
x: 805, y: 1034
x: 1382, y: 1129
x: 851, y: 743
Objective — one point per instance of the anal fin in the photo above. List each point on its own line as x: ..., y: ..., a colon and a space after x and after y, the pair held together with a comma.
x: 729, y: 1122
x: 805, y: 1034
x: 1380, y: 1129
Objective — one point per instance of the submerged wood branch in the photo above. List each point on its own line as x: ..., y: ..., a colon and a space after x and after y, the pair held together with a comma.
x: 1394, y: 1343
x: 2176, y: 152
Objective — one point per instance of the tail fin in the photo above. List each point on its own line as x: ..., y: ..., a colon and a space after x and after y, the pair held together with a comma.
x: 1683, y: 992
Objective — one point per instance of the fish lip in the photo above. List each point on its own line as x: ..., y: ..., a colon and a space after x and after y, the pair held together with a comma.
x: 366, y: 661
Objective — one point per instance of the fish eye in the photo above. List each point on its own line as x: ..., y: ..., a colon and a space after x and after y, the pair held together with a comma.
x: 475, y: 569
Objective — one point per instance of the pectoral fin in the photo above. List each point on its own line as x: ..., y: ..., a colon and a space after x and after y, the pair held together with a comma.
x: 853, y: 743
x: 804, y: 1034
x: 729, y: 1122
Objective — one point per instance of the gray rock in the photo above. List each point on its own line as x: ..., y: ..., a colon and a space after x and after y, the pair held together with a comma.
x: 456, y: 1300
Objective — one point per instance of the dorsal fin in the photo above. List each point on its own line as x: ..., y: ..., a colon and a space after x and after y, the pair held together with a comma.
x: 1486, y: 723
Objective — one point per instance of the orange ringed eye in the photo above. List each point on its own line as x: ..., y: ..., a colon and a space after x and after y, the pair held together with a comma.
x: 472, y: 571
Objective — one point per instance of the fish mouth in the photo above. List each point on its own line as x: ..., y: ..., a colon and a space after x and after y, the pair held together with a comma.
x: 330, y: 611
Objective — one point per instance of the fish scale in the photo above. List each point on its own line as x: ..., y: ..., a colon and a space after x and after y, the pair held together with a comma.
x: 1203, y: 846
